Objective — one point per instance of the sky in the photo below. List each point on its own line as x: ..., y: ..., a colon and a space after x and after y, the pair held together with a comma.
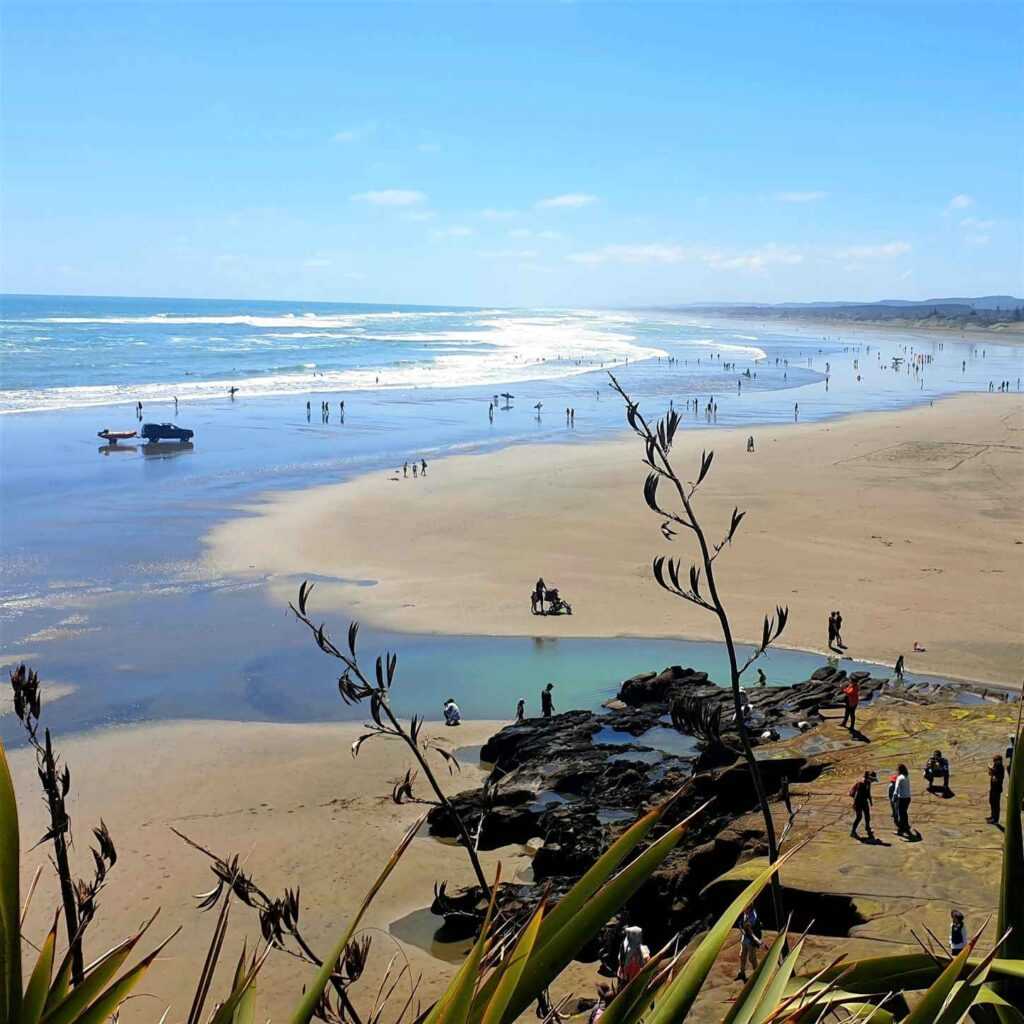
x: 513, y: 154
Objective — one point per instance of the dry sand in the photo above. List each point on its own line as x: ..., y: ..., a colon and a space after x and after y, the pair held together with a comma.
x: 290, y: 800
x: 910, y: 522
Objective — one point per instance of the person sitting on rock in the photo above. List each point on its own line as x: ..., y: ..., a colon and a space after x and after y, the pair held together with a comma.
x: 452, y: 714
x: 604, y: 997
x: 937, y: 768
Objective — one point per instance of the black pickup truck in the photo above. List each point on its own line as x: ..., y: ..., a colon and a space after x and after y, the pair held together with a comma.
x: 165, y: 432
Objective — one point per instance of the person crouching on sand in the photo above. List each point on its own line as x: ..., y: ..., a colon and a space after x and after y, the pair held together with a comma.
x: 452, y: 714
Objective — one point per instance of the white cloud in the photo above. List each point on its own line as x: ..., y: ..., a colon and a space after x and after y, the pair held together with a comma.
x: 455, y: 231
x: 492, y: 214
x: 978, y: 240
x: 390, y: 197
x: 668, y: 254
x: 885, y: 251
x: 356, y: 133
x: 647, y: 253
x: 316, y: 263
x: 509, y: 254
x: 545, y: 235
x: 977, y: 224
x: 800, y: 197
x: 429, y: 147
x: 961, y: 201
x: 570, y: 200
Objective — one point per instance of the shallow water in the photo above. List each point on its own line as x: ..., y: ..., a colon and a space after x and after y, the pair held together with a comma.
x: 102, y: 583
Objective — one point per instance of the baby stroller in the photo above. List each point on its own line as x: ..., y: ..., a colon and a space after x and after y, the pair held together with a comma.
x: 556, y: 604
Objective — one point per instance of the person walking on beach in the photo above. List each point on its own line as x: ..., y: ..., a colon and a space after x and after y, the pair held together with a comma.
x: 996, y: 774
x: 750, y: 941
x: 796, y: 411
x: 423, y: 467
x: 851, y: 698
x: 405, y: 468
x: 861, y: 793
x: 762, y: 679
x: 839, y: 631
x: 902, y: 798
x: 572, y: 417
x: 750, y: 443
x: 957, y: 932
x: 415, y: 468
x: 490, y: 411
x: 831, y: 631
x: 547, y: 704
x: 175, y: 405
x: 521, y: 709
x: 898, y: 670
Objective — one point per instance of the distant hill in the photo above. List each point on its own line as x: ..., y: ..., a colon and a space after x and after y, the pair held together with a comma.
x: 995, y: 312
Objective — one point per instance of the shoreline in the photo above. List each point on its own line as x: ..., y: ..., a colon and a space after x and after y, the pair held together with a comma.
x: 472, y: 495
x: 303, y: 813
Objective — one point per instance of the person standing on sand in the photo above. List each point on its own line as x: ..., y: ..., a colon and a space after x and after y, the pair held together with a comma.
x: 901, y: 794
x: 547, y: 704
x: 405, y: 468
x: 415, y: 468
x: 490, y: 411
x: 175, y: 405
x: 750, y: 941
x: 996, y: 774
x: 957, y: 932
x: 831, y: 631
x: 861, y: 793
x: 796, y: 411
x: 898, y: 670
x: 423, y: 467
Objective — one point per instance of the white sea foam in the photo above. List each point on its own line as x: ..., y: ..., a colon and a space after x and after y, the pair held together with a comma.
x: 490, y: 351
x: 284, y: 320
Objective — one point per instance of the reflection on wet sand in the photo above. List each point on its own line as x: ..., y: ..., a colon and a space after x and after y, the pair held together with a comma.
x: 107, y: 449
x: 166, y: 449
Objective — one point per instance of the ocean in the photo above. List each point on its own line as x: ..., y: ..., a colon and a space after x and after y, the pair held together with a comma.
x: 103, y: 582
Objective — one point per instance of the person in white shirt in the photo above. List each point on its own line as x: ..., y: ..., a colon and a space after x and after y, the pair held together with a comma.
x: 901, y: 795
x: 452, y: 714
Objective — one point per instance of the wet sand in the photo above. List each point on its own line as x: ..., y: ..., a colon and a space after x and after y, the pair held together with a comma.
x: 909, y: 522
x: 290, y: 800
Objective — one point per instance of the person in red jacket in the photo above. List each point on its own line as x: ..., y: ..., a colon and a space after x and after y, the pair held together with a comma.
x: 851, y: 698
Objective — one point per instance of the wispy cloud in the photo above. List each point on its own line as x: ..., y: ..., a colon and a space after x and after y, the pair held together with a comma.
x: 800, y: 197
x: 961, y: 201
x: 884, y: 251
x: 492, y: 214
x: 570, y: 201
x: 455, y: 231
x: 390, y: 197
x: 667, y: 254
x: 356, y: 133
x: 546, y: 235
x: 977, y: 224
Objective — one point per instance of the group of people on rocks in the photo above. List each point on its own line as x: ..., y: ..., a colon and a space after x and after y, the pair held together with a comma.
x: 936, y: 772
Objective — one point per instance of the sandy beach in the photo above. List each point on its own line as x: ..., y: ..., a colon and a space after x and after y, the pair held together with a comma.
x: 909, y: 522
x: 295, y: 806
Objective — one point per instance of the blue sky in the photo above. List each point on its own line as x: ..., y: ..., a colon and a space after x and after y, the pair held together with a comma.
x: 513, y: 154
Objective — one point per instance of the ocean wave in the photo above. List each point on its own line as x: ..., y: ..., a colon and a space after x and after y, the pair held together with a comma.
x: 495, y: 351
x: 245, y: 320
